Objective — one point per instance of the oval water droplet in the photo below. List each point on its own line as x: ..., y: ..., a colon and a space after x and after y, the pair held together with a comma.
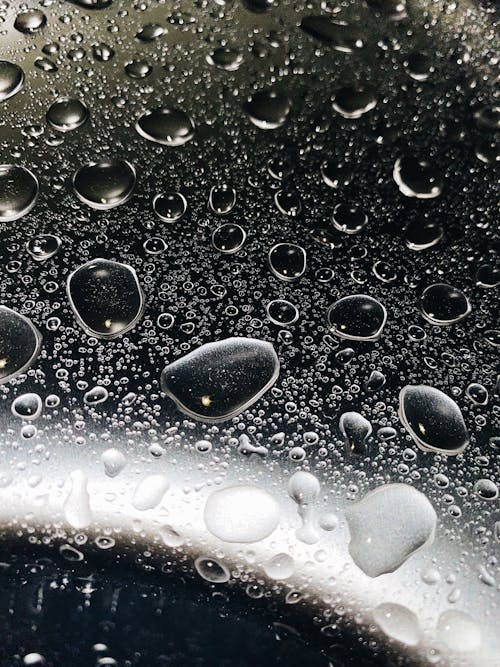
x: 11, y: 79
x: 225, y: 58
x: 43, y: 247
x: 433, y: 419
x: 222, y: 199
x: 212, y: 570
x: 20, y: 343
x: 30, y: 21
x: 166, y: 126
x: 423, y: 234
x: 353, y: 102
x: 282, y: 312
x: 443, y: 304
x: 340, y: 35
x: 357, y: 317
x: 288, y: 261
x: 149, y: 492
x: 222, y: 379
x: 241, y: 513
x: 348, y: 219
x: 27, y: 406
x: 398, y: 622
x: 417, y: 178
x: 106, y: 297
x: 106, y: 184
x: 67, y: 114
x: 268, y: 109
x: 18, y: 192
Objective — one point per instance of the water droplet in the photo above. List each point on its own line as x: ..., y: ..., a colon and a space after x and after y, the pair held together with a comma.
x: 268, y: 109
x: 279, y: 567
x: 104, y: 185
x: 222, y: 199
x: 433, y: 419
x: 356, y: 429
x: 398, y: 622
x: 225, y: 58
x: 77, y: 511
x: 477, y: 393
x: 30, y: 21
x: 96, y: 395
x: 18, y: 192
x: 20, y: 343
x: 287, y: 261
x: 458, y: 631
x: 282, y: 312
x: 211, y: 570
x: 43, y: 247
x: 340, y: 35
x: 11, y: 79
x: 106, y: 297
x: 150, y: 32
x: 27, y: 406
x: 357, y: 317
x: 348, y: 219
x: 222, y: 379
x: 423, y: 234
x: 166, y: 126
x: 417, y: 178
x: 241, y: 514
x: 486, y: 489
x: 170, y: 206
x: 443, y: 304
x: 67, y: 114
x: 228, y: 238
x: 418, y: 66
x: 149, y: 492
x: 304, y: 488
x: 113, y: 461
x: 138, y: 69
x: 389, y: 525
x: 353, y: 102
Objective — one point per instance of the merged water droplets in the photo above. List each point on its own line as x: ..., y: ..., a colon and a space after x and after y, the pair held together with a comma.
x: 166, y: 125
x: 388, y: 526
x: 443, y: 304
x: 268, y: 109
x: 417, y: 178
x: 241, y: 514
x: 67, y: 114
x: 106, y: 184
x: 433, y: 419
x: 20, y: 343
x: 357, y: 317
x: 106, y: 297
x: 222, y: 379
x: 11, y: 79
x: 18, y: 192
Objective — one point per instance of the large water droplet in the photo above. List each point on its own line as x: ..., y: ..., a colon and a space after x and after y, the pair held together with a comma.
x: 27, y: 406
x: 356, y: 429
x: 241, y: 514
x: 11, y: 79
x: 357, y: 317
x: 433, y: 419
x: 43, y: 247
x: 222, y: 379
x: 268, y: 109
x: 222, y: 199
x: 398, y: 622
x: 149, y: 492
x: 18, y: 192
x: 423, y: 234
x: 443, y: 304
x: 106, y: 297
x: 348, y: 219
x: 30, y: 21
x: 20, y: 343
x: 353, y: 102
x: 170, y: 206
x: 228, y: 238
x: 388, y: 526
x: 340, y: 35
x: 67, y: 114
x: 105, y: 184
x: 288, y: 261
x: 225, y: 58
x: 166, y: 126
x: 458, y: 631
x: 211, y: 570
x: 417, y: 178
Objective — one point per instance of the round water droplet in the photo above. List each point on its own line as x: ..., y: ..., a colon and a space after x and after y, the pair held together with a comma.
x: 67, y: 114
x: 357, y: 317
x: 288, y: 261
x: 418, y: 66
x: 423, y: 234
x: 43, y: 247
x: 288, y: 202
x: 166, y: 126
x: 105, y: 184
x: 241, y: 514
x: 27, y: 406
x: 353, y: 102
x: 417, y: 178
x: 222, y: 199
x: 170, y: 206
x: 18, y: 192
x: 113, y: 461
x: 225, y: 58
x: 279, y: 567
x: 433, y: 419
x: 348, y: 219
x: 228, y: 238
x: 486, y: 489
x: 220, y: 380
x: 138, y: 69
x: 282, y: 312
x: 20, y: 344
x: 30, y: 21
x: 487, y: 276
x: 106, y: 297
x: 211, y: 570
x: 443, y: 304
x: 11, y: 79
x: 268, y: 109
x: 398, y: 622
x: 458, y: 631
